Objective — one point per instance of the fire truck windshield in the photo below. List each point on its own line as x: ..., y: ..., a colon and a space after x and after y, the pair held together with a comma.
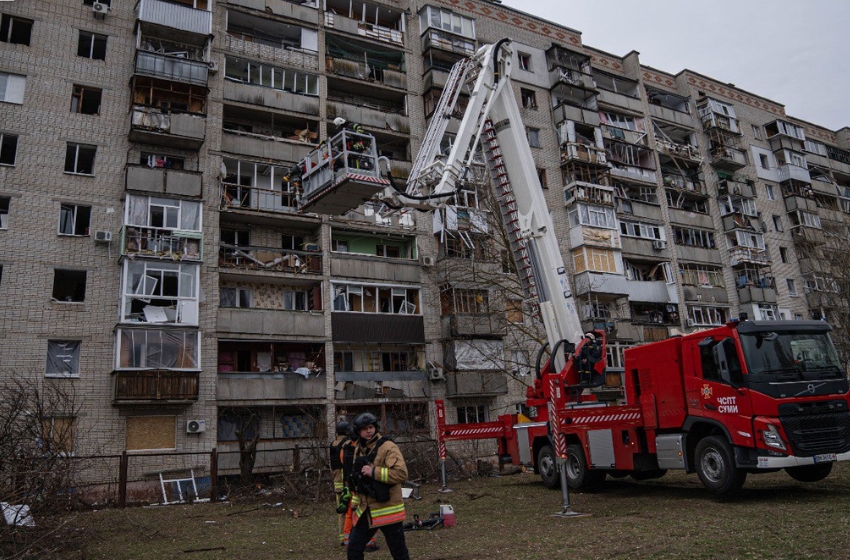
x: 791, y: 356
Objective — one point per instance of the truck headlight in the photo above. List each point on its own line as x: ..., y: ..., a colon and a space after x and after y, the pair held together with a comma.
x: 772, y: 438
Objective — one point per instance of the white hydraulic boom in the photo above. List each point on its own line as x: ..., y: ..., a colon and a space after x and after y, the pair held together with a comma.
x: 492, y: 123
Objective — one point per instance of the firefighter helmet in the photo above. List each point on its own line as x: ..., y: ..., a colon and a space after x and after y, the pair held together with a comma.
x: 339, y: 121
x: 363, y: 420
x: 342, y: 428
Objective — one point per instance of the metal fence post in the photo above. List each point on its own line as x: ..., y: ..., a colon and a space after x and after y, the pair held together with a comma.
x: 123, y: 464
x: 213, y: 475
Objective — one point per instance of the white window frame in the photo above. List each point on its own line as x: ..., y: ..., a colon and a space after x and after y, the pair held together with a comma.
x: 707, y: 315
x: 149, y: 287
x: 243, y: 298
x: 643, y: 230
x: 76, y: 164
x: 792, y: 287
x: 771, y: 192
x: 12, y: 88
x: 403, y: 295
x: 147, y: 339
x: 5, y: 205
x: 74, y: 209
x: 291, y: 300
x: 92, y: 37
x: 153, y: 201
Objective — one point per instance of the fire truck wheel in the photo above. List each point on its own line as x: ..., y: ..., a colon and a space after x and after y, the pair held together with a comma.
x: 810, y: 473
x: 715, y: 465
x: 547, y: 467
x: 579, y: 477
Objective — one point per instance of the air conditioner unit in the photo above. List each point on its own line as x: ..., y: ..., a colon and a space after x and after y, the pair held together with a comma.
x: 426, y: 260
x: 690, y: 322
x: 435, y: 372
x: 213, y: 66
x: 102, y: 236
x: 99, y: 10
x: 196, y: 426
x: 659, y: 244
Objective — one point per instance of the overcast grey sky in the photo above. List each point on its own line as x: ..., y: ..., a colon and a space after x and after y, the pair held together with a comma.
x: 793, y: 52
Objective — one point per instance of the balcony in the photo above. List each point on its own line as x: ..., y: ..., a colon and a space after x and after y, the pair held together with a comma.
x: 174, y: 130
x: 560, y: 76
x: 635, y: 290
x: 675, y: 149
x: 375, y: 268
x: 620, y: 100
x: 370, y: 327
x: 271, y: 98
x: 269, y: 259
x: 170, y: 244
x: 633, y: 173
x: 624, y: 135
x: 239, y: 198
x: 469, y: 324
x: 730, y: 186
x: 155, y: 387
x: 448, y: 42
x: 679, y: 182
x: 384, y: 116
x: 285, y: 55
x: 185, y: 20
x: 171, y: 68
x: 573, y: 151
x: 268, y: 322
x: 728, y: 158
x: 590, y: 193
x: 790, y: 172
x: 752, y: 294
x: 671, y: 115
x: 385, y: 30
x: 270, y: 387
x: 285, y: 8
x: 159, y: 180
x: 708, y: 294
x: 748, y: 255
x: 263, y: 146
x: 475, y: 384
x: 390, y: 76
x: 251, y: 388
x: 565, y: 112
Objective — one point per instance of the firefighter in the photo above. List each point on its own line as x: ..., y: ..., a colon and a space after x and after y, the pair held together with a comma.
x: 341, y: 492
x: 347, y: 459
x: 589, y: 356
x: 377, y: 474
x: 354, y: 143
x: 342, y: 124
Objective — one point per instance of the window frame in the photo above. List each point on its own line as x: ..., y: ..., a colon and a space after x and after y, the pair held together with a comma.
x: 62, y: 277
x: 7, y: 29
x: 96, y: 45
x: 79, y: 100
x: 74, y: 209
x: 5, y: 148
x: 75, y: 164
x: 5, y: 205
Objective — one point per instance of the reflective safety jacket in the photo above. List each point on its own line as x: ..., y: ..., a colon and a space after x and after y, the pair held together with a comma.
x: 389, y: 468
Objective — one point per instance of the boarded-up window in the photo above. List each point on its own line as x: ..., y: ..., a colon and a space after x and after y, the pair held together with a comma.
x: 514, y: 311
x: 151, y: 432
x: 58, y: 434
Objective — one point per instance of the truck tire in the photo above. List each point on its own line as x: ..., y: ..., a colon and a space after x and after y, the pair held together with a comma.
x: 810, y: 473
x: 579, y: 476
x: 548, y: 468
x: 715, y: 465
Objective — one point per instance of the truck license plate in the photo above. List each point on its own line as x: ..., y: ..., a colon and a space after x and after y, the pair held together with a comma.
x: 825, y: 458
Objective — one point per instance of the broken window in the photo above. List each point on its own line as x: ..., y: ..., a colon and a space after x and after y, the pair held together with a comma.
x: 524, y: 61
x: 235, y: 297
x: 86, y: 100
x: 91, y: 45
x: 376, y: 299
x: 63, y: 357
x: 529, y: 98
x: 69, y: 285
x: 160, y: 292
x: 707, y: 315
x: 15, y: 30
x: 594, y: 260
x: 74, y: 219
x: 533, y: 135
x: 158, y: 349
x: 284, y: 79
x: 79, y: 159
x: 4, y: 211
x: 156, y: 160
x: 8, y: 148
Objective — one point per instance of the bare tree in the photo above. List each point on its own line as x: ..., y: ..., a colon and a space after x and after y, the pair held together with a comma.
x: 38, y: 423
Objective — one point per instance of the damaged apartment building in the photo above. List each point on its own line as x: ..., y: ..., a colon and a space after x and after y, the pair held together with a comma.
x: 153, y: 261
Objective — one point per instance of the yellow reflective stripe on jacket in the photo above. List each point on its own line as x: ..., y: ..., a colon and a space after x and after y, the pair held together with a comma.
x: 338, y: 486
x: 387, y: 515
x: 381, y: 474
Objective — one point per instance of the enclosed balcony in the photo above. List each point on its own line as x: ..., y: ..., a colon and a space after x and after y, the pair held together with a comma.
x: 440, y: 40
x: 730, y: 186
x: 636, y: 290
x: 171, y: 244
x: 271, y: 86
x: 741, y: 255
x: 589, y: 193
x: 186, y: 20
x: 789, y: 172
x: 475, y: 384
x: 155, y: 387
x: 581, y: 152
x: 172, y: 67
x: 673, y: 179
x: 725, y: 157
x: 618, y: 91
x: 270, y: 322
x: 569, y: 67
x: 373, y: 21
x: 163, y: 180
x: 755, y: 294
x: 271, y: 40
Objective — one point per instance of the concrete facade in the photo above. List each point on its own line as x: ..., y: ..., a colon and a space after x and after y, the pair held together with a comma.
x: 215, y: 300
